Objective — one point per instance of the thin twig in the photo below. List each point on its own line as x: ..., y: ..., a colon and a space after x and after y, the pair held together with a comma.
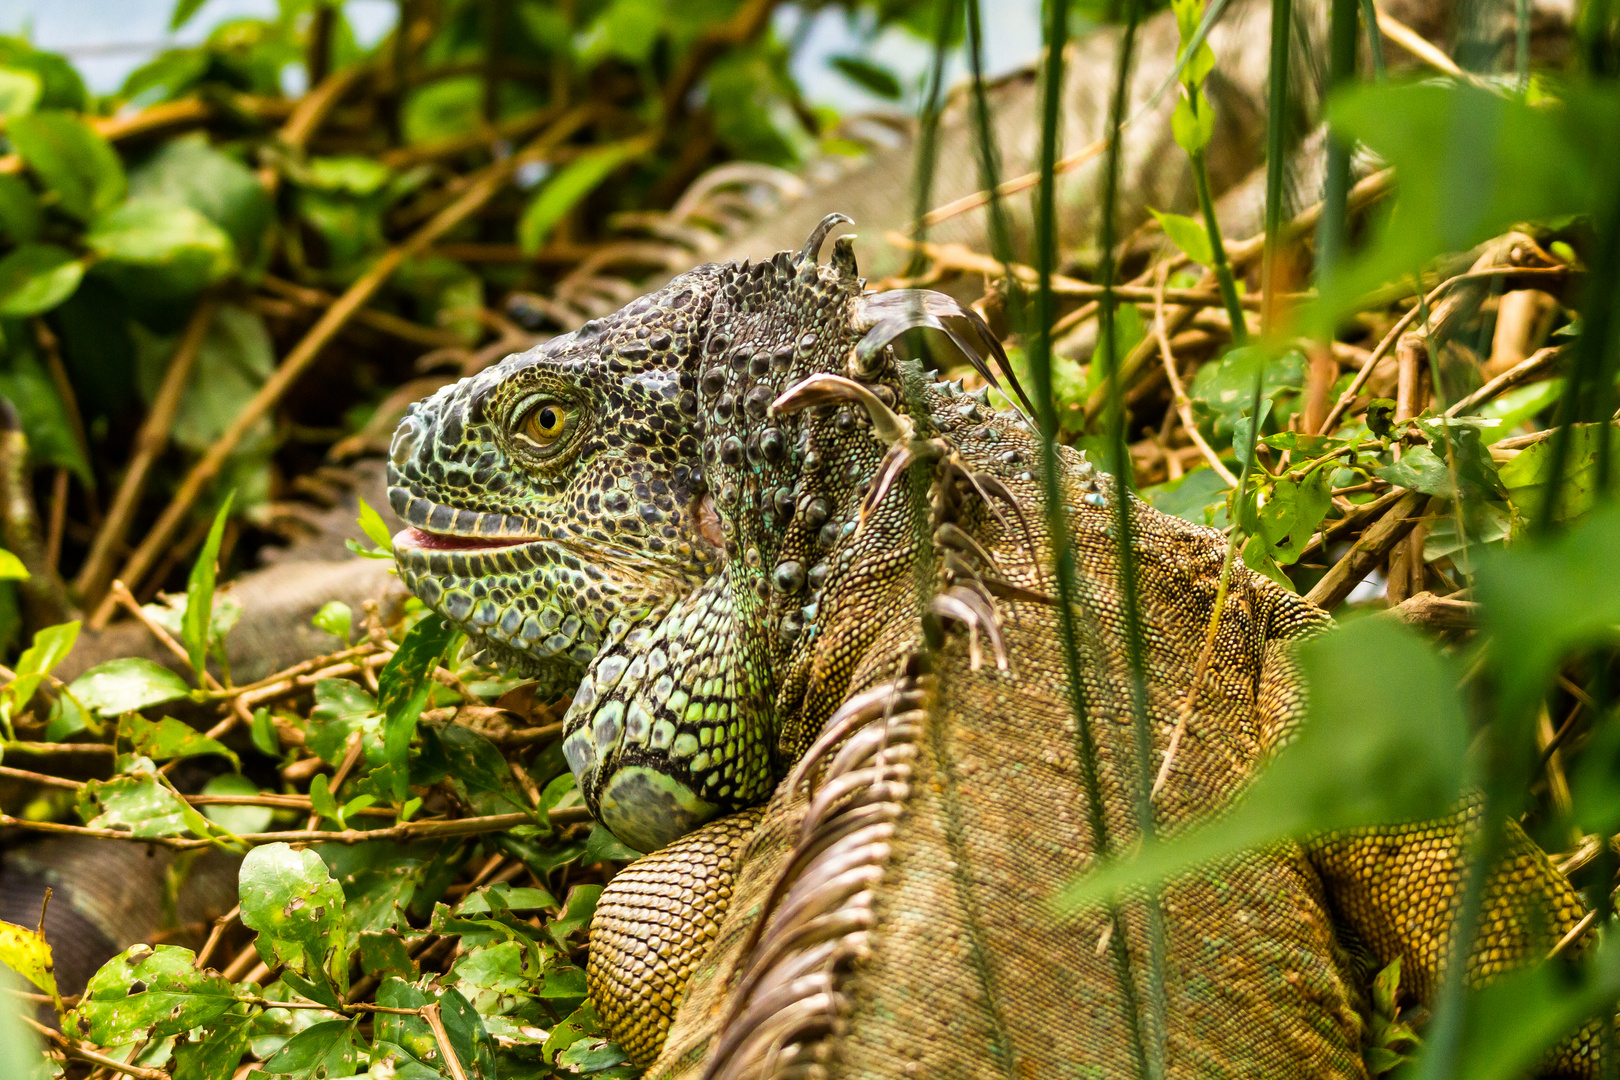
x: 430, y: 1013
x: 149, y: 443
x: 1183, y: 405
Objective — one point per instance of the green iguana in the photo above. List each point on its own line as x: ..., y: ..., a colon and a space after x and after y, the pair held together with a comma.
x: 704, y: 511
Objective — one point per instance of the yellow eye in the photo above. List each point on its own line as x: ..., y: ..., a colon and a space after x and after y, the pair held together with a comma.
x: 546, y: 424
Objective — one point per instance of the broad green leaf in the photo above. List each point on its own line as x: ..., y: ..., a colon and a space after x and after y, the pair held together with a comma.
x: 342, y: 708
x: 591, y: 1055
x: 238, y: 819
x: 875, y: 79
x: 564, y: 190
x: 161, y: 250
x: 289, y: 897
x: 335, y: 618
x: 61, y: 87
x: 27, y: 953
x: 1525, y: 475
x: 405, y: 683
x: 46, y: 419
x: 236, y: 358
x: 627, y: 29
x: 581, y: 1024
x: 19, y: 92
x: 37, y: 661
x: 1188, y: 235
x: 1516, y: 406
x: 123, y: 685
x: 468, y: 1040
x: 492, y: 977
x: 165, y: 739
x: 138, y: 803
x: 383, y: 953
x: 217, y: 1053
x: 1293, y: 513
x: 1472, y: 163
x: 410, y: 1033
x: 576, y: 913
x: 1369, y: 751
x: 443, y: 109
x: 1512, y: 1023
x: 327, y: 1049
x: 183, y: 11
x: 187, y: 171
x: 602, y: 846
x: 147, y: 992
x: 1194, y: 497
x: 71, y: 159
x: 11, y: 567
x: 1545, y: 598
x: 35, y: 278
x: 20, y: 213
x: 1420, y: 469
x: 194, y: 625
x: 479, y: 772
x: 509, y: 897
x: 359, y: 176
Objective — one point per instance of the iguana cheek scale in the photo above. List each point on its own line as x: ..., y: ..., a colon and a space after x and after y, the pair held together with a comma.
x: 853, y: 757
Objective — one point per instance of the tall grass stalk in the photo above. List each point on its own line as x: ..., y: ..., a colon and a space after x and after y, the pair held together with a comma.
x: 1040, y: 372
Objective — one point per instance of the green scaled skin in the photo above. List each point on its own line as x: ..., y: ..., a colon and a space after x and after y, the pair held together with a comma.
x: 666, y: 551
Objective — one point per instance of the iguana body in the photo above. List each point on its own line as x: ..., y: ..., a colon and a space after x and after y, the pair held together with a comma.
x: 706, y: 509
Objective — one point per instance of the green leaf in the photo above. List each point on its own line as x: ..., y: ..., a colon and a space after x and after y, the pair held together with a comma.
x: 194, y: 625
x: 320, y: 798
x: 236, y: 358
x: 875, y: 79
x: 468, y: 1039
x: 183, y: 11
x: 576, y: 914
x: 1545, y: 599
x: 27, y: 953
x: 147, y: 992
x: 217, y: 1053
x: 1193, y: 130
x: 237, y: 819
x: 581, y: 1024
x: 159, y: 250
x: 1290, y: 517
x: 603, y: 846
x: 1472, y: 163
x: 327, y: 1049
x: 19, y: 92
x: 1188, y: 235
x: 289, y: 897
x: 405, y: 682
x: 20, y: 213
x: 266, y: 740
x: 627, y: 29
x: 1368, y: 751
x: 71, y: 159
x: 62, y: 87
x: 138, y: 803
x: 342, y: 708
x: 590, y: 1055
x: 410, y: 1033
x: 187, y: 171
x: 35, y: 278
x: 123, y: 685
x: 567, y: 187
x: 11, y: 567
x: 443, y: 109
x: 509, y: 897
x: 335, y: 618
x: 1525, y: 476
x: 1194, y: 497
x: 50, y: 646
x: 46, y: 419
x: 372, y: 524
x: 21, y: 1054
x: 165, y: 739
x: 479, y: 772
x: 383, y: 953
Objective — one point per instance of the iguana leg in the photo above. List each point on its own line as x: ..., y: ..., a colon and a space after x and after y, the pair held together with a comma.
x: 653, y: 923
x: 1398, y: 887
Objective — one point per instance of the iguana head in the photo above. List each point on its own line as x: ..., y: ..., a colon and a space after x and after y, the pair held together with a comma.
x: 622, y: 508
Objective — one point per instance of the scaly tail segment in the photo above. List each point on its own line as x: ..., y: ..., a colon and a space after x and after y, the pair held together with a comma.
x: 789, y: 1006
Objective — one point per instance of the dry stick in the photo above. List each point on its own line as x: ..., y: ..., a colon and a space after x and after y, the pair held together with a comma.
x: 58, y: 522
x: 404, y: 329
x: 74, y: 1050
x: 430, y: 1013
x: 215, y: 936
x: 438, y: 828
x: 1179, y: 394
x: 1416, y: 44
x: 482, y: 188
x: 149, y: 443
x: 1368, y: 550
x: 1009, y: 187
x: 1514, y: 376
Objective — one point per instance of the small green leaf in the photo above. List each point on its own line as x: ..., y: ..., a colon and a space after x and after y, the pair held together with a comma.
x: 405, y: 683
x: 372, y: 524
x: 161, y: 250
x: 147, y: 992
x: 567, y: 187
x: 320, y: 797
x: 123, y: 685
x: 194, y: 625
x: 576, y: 914
x: 479, y: 772
x: 138, y: 803
x: 383, y: 953
x: 71, y: 159
x: 237, y: 819
x: 166, y: 739
x: 326, y: 1049
x: 183, y: 11
x: 335, y: 618
x: 35, y: 278
x: 266, y: 740
x: 1193, y: 130
x: 20, y: 213
x: 873, y: 78
x: 19, y: 92
x: 218, y: 1053
x: 603, y: 846
x: 289, y: 897
x: 1188, y: 235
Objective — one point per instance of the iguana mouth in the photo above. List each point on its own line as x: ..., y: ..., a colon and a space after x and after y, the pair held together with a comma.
x: 424, y: 540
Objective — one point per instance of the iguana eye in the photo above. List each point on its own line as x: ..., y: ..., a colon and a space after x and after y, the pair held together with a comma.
x: 544, y: 424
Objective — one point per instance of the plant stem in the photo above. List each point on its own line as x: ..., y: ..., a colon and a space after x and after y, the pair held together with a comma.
x: 1217, y: 247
